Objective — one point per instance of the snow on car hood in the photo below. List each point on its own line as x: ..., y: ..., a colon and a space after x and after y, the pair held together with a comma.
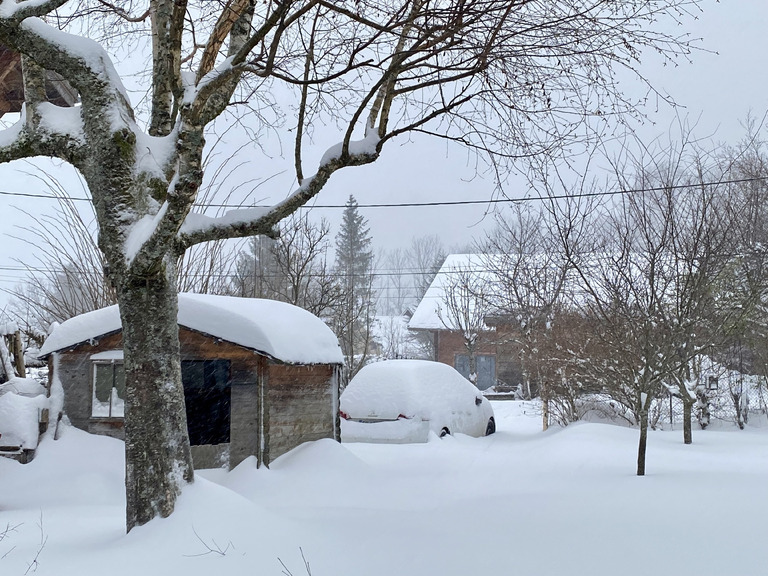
x: 411, y: 388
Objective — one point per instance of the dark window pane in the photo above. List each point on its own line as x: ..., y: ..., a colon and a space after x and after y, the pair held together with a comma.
x: 192, y: 374
x: 120, y: 380
x: 462, y: 365
x: 103, y: 382
x: 118, y: 398
x: 486, y: 371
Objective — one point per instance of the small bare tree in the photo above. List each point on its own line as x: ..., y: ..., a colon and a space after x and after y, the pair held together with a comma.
x: 465, y: 305
x: 529, y: 270
x: 657, y: 283
x: 292, y: 268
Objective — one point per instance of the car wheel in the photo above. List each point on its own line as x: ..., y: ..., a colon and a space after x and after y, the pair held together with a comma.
x: 491, y: 427
x: 444, y: 432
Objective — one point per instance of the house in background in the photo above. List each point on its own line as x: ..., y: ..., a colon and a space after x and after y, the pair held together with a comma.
x: 473, y: 308
x: 454, y: 312
x: 58, y: 91
x: 260, y: 376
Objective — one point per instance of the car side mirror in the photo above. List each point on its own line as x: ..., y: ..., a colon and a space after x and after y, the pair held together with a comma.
x: 478, y: 400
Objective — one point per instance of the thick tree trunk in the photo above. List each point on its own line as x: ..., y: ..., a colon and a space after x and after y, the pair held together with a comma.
x: 157, y: 455
x: 643, y: 442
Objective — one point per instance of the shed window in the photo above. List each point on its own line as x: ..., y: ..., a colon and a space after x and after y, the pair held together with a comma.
x: 108, y: 389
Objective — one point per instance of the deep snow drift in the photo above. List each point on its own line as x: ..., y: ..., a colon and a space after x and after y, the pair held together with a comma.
x: 518, y: 502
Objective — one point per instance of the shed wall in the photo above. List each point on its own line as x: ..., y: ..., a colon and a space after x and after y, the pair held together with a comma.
x: 301, y: 406
x: 301, y: 401
x: 75, y: 372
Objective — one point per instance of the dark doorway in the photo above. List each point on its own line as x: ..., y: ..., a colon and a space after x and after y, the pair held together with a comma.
x: 207, y: 396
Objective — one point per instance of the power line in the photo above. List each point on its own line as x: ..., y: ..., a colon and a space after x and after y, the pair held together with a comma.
x: 487, y: 201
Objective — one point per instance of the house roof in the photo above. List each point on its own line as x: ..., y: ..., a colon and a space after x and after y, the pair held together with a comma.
x: 282, y: 331
x: 478, y: 284
x: 481, y: 282
x: 431, y: 313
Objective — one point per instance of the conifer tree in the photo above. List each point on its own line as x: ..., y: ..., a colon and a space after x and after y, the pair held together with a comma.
x: 354, y: 267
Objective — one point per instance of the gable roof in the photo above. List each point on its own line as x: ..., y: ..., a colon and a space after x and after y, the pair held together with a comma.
x: 480, y: 285
x: 279, y: 330
x: 430, y: 314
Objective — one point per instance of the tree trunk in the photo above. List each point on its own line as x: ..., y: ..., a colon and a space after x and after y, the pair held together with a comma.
x: 18, y: 354
x: 472, y: 365
x: 6, y: 366
x: 157, y: 455
x: 687, y: 419
x: 643, y: 442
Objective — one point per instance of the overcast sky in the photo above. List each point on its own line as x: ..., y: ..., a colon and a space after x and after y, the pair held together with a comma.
x: 718, y: 88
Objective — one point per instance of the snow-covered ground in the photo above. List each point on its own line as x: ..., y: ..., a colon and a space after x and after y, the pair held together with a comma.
x: 518, y: 502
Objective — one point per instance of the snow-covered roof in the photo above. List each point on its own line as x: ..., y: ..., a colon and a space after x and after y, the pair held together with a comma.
x: 283, y: 331
x: 431, y: 313
x: 478, y: 285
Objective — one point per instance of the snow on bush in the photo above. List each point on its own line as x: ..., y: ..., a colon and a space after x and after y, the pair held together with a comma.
x: 21, y: 401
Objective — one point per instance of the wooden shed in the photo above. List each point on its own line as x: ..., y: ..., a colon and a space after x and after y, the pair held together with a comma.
x: 260, y: 377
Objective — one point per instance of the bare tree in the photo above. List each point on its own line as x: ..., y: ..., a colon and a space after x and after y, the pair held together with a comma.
x: 395, y: 288
x: 507, y: 79
x: 465, y: 304
x: 530, y: 270
x: 658, y: 284
x: 424, y: 256
x: 403, y: 278
x: 301, y: 258
x: 66, y: 277
x: 292, y: 268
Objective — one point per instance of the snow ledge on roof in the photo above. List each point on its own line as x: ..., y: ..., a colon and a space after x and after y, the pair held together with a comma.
x: 282, y: 331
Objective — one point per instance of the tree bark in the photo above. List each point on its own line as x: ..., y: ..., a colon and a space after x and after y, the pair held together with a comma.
x: 687, y: 419
x: 158, y: 457
x: 643, y: 442
x: 18, y: 354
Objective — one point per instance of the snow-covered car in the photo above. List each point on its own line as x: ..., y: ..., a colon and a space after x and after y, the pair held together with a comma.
x: 403, y: 400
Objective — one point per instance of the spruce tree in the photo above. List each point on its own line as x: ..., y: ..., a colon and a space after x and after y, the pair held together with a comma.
x: 354, y: 267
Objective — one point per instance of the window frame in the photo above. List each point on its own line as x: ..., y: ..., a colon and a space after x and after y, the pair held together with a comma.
x: 114, y: 359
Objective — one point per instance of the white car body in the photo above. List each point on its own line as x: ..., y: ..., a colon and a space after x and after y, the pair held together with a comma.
x: 403, y: 400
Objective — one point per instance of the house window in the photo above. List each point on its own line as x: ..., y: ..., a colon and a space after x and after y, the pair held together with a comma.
x: 108, y: 389
x: 486, y: 369
x: 712, y: 383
